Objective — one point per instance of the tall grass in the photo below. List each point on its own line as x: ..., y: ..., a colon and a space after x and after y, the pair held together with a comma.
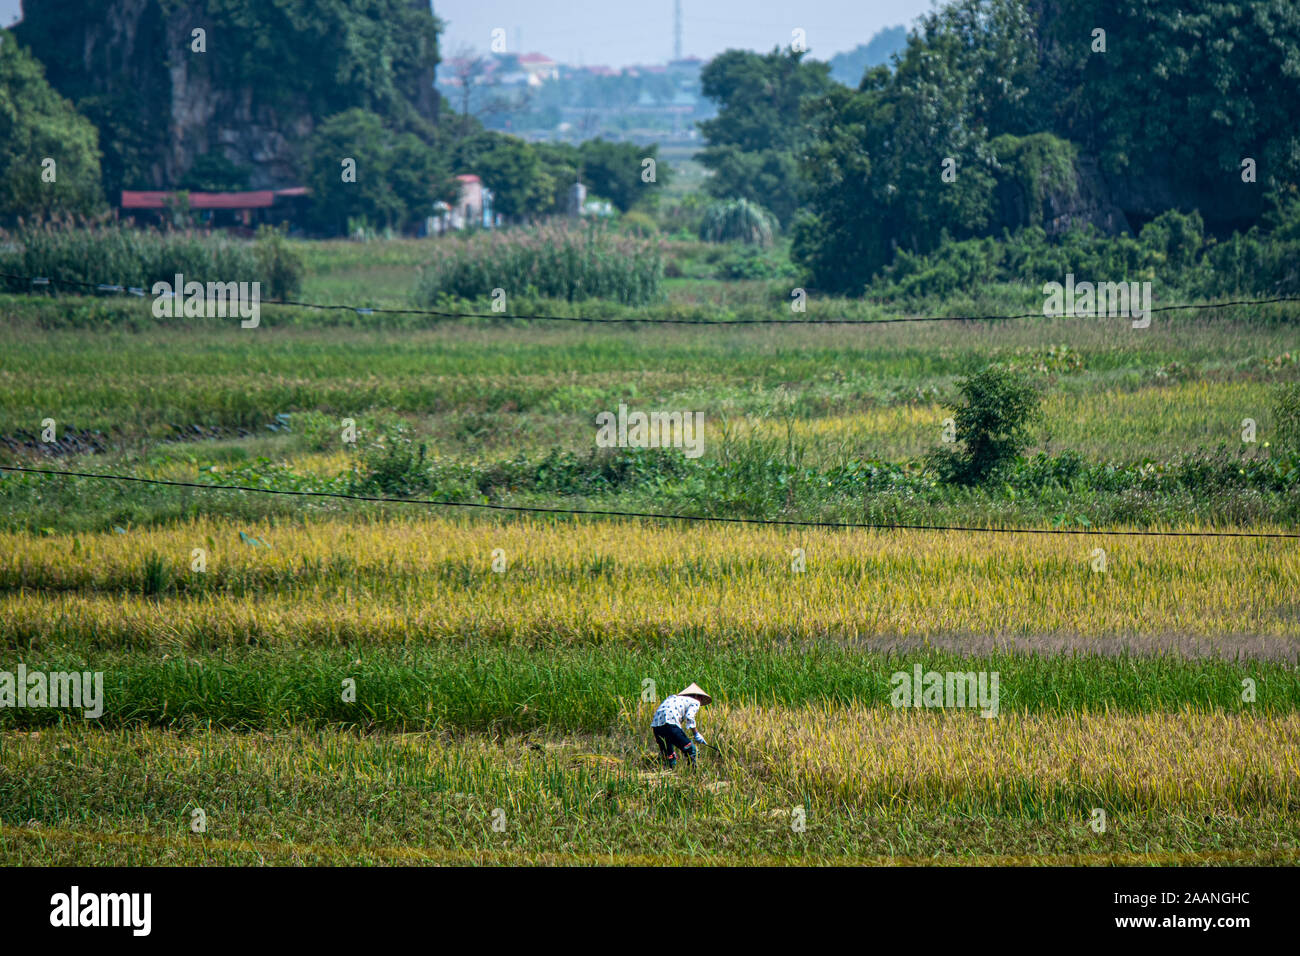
x: 738, y: 220
x: 551, y: 262
x: 116, y: 254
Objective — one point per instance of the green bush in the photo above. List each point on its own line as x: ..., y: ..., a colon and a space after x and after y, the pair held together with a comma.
x: 392, y: 464
x: 993, y: 421
x: 1253, y: 263
x: 1172, y: 252
x: 1175, y: 239
x: 280, y: 265
x: 552, y: 262
x: 749, y: 262
x: 637, y: 223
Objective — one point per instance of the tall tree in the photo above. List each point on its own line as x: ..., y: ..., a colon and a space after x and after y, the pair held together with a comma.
x: 49, y: 153
x: 752, y: 140
x: 358, y: 168
x: 613, y: 171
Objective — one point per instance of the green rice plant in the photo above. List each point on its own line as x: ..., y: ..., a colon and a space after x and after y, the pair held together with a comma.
x: 470, y: 682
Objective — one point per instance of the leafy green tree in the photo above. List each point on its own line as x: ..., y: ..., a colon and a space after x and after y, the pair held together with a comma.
x: 561, y: 163
x: 1185, y: 90
x: 613, y: 171
x: 906, y: 159
x: 875, y: 163
x: 521, y: 186
x: 37, y: 124
x: 398, y: 177
x: 993, y: 422
x: 752, y: 140
x: 769, y: 175
x: 1015, y: 91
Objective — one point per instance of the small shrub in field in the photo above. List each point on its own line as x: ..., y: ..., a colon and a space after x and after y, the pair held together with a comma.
x: 748, y: 262
x: 738, y: 220
x: 317, y: 431
x: 548, y: 263
x: 392, y: 463
x: 993, y: 420
x: 281, y: 266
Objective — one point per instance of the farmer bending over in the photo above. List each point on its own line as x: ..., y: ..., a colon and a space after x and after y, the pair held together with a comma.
x: 673, y: 718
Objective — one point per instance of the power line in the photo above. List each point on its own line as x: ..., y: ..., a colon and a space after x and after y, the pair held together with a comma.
x: 618, y: 320
x: 587, y: 512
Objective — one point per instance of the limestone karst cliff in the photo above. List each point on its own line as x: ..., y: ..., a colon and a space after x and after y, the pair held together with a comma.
x: 250, y: 87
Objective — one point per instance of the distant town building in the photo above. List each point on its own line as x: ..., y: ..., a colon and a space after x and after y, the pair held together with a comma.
x: 539, y: 67
x: 533, y: 96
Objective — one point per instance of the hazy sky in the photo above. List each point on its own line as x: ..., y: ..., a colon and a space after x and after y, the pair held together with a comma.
x: 620, y: 32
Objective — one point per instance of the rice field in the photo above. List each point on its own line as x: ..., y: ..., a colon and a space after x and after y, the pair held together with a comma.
x: 327, y: 682
x: 807, y: 785
x: 428, y: 580
x: 514, y: 699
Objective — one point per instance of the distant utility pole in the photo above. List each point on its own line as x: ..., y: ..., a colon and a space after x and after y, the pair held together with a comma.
x: 677, y: 29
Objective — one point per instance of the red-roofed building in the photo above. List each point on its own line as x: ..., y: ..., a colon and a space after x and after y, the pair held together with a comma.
x: 539, y: 68
x: 218, y: 209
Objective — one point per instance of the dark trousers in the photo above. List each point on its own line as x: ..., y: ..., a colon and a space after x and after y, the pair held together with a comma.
x: 669, y: 736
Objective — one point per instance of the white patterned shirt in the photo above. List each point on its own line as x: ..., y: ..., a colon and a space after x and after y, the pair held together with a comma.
x: 672, y: 710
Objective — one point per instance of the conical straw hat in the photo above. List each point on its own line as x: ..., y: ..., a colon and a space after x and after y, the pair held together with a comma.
x: 695, y: 690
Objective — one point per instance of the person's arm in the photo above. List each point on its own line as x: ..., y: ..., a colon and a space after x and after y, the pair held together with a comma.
x: 690, y: 723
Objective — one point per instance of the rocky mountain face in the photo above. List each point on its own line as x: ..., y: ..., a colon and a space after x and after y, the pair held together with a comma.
x: 1086, y: 199
x: 252, y: 87
x: 1115, y: 204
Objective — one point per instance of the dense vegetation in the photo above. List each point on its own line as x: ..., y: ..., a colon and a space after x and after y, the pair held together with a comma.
x: 1005, y: 96
x: 571, y: 265
x: 73, y: 256
x: 49, y: 154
